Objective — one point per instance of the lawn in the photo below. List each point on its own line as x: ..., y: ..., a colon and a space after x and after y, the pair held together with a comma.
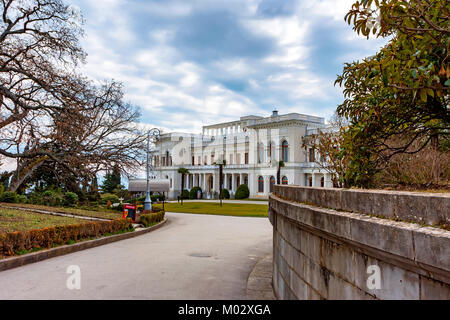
x: 227, y: 209
x: 104, y: 213
x: 16, y: 220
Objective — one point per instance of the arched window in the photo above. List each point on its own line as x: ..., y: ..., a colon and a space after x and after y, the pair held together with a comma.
x: 260, y: 184
x: 285, y: 151
x: 285, y: 180
x: 272, y: 183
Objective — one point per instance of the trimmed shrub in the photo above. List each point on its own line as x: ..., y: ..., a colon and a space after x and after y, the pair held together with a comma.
x: 242, y: 192
x: 52, y: 198
x: 70, y: 199
x: 185, y: 194
x: 157, y: 197
x: 22, y: 198
x: 193, y: 193
x: 149, y: 219
x: 156, y: 209
x: 109, y: 197
x: 225, y: 194
x: 8, y: 197
x: 13, y: 242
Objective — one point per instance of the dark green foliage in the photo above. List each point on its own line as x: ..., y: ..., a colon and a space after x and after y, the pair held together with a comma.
x: 8, y: 197
x: 185, y: 194
x: 193, y: 193
x: 22, y: 198
x: 242, y: 192
x: 112, y: 180
x: 109, y: 196
x: 70, y: 199
x: 52, y: 198
x: 225, y: 194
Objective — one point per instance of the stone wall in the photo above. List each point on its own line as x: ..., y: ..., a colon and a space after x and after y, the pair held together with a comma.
x: 333, y: 244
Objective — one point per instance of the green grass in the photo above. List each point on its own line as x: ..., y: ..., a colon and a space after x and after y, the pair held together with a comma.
x: 16, y: 220
x: 101, y: 213
x: 227, y: 209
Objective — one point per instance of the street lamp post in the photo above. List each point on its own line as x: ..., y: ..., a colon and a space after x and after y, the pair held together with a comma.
x: 153, y: 133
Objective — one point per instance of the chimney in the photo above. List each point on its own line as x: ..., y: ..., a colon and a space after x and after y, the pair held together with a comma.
x: 275, y: 113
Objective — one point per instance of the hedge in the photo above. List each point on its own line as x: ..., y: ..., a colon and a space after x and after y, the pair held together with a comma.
x: 149, y: 219
x: 19, y: 241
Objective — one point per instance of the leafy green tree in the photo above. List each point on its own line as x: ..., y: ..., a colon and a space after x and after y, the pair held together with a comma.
x: 112, y: 180
x: 399, y: 96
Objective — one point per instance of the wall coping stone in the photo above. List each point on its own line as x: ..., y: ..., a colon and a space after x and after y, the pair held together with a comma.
x: 432, y: 209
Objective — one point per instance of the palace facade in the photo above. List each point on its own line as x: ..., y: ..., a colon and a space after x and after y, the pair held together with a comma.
x: 251, y: 147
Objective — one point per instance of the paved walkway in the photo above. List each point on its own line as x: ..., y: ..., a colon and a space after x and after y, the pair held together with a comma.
x: 226, y: 201
x: 191, y: 257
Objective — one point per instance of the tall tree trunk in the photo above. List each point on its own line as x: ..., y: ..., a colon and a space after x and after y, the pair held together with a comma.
x: 279, y: 175
x: 182, y: 188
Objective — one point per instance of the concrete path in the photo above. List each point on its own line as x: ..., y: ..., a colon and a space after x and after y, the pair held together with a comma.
x: 226, y: 201
x: 191, y: 257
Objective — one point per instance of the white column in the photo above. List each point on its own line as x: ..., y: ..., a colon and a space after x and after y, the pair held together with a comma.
x: 233, y: 182
x: 252, y: 184
x: 267, y: 185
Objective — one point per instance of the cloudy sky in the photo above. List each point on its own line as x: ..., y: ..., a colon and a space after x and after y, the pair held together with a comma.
x: 188, y: 63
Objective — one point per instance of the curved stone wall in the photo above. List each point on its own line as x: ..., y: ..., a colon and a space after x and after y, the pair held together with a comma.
x: 349, y: 244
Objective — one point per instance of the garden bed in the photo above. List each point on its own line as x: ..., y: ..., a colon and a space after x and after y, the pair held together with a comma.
x: 100, y: 213
x: 15, y: 220
x: 60, y: 232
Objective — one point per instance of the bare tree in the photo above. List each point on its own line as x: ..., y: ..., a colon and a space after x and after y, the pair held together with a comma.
x: 49, y: 114
x: 327, y: 142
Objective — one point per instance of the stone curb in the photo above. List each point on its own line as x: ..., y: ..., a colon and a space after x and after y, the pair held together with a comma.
x: 19, y: 261
x: 259, y: 282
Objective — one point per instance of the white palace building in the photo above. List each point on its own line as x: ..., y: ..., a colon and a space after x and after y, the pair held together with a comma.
x: 252, y: 147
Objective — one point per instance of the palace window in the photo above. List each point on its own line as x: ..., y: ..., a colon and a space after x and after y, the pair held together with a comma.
x: 272, y: 183
x: 246, y: 158
x: 206, y: 160
x: 193, y: 160
x: 199, y: 160
x: 231, y: 159
x: 312, y: 157
x: 285, y: 151
x: 260, y: 153
x: 246, y: 180
x: 285, y: 180
x: 260, y: 184
x: 238, y: 158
